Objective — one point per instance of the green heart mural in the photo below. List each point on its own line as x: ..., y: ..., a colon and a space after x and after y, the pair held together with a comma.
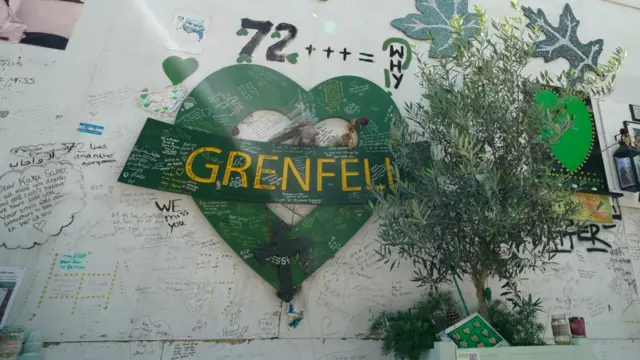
x: 178, y: 69
x: 231, y: 94
x: 574, y: 147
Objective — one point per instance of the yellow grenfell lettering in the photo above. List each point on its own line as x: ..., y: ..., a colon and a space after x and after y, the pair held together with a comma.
x: 240, y: 170
x: 288, y: 164
x: 214, y: 168
x: 345, y: 174
x: 387, y: 165
x: 321, y: 172
x: 259, y: 171
x: 367, y: 174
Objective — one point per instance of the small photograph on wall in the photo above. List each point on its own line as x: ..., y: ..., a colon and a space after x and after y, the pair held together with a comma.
x: 633, y: 127
x: 625, y: 172
x: 188, y: 31
x: 46, y: 23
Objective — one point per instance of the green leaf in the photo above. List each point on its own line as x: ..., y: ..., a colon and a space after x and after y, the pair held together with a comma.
x: 562, y: 41
x: 436, y: 22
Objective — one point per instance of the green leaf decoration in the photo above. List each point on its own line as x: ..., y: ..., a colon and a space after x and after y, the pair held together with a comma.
x: 434, y: 23
x: 562, y: 41
x: 243, y: 58
x: 242, y: 32
x: 292, y: 58
x: 574, y: 147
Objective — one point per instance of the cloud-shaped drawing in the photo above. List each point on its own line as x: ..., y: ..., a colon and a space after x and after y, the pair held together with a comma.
x: 37, y: 202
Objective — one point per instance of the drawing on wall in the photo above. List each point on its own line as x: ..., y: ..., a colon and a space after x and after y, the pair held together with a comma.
x: 263, y: 28
x: 577, y: 153
x: 167, y: 101
x: 400, y: 55
x: 40, y: 23
x: 342, y: 54
x: 188, y: 32
x: 434, y: 23
x: 594, y: 208
x: 216, y: 106
x: 562, y: 41
x: 38, y: 202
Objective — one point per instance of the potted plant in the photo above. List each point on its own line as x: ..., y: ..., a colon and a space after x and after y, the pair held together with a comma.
x: 422, y: 331
x: 409, y: 334
x: 476, y: 196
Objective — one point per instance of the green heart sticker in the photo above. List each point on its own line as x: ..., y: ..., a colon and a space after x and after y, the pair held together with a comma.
x: 240, y: 90
x: 574, y: 147
x: 178, y: 69
x: 292, y: 58
x: 243, y: 58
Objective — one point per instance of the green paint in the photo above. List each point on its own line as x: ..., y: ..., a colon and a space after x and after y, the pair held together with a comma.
x: 292, y: 58
x: 275, y: 35
x: 227, y: 96
x: 243, y: 58
x: 178, y: 69
x: 408, y: 53
x: 574, y: 147
x: 242, y: 32
x: 387, y: 78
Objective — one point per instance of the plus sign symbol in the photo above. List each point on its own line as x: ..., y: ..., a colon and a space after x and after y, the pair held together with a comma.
x: 281, y: 253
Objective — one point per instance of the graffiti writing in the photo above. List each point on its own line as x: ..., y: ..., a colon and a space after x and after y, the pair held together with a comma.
x: 400, y: 59
x: 263, y: 28
x: 588, y: 233
x: 173, y: 215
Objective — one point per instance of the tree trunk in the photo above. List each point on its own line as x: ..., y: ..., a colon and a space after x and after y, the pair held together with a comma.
x: 479, y: 278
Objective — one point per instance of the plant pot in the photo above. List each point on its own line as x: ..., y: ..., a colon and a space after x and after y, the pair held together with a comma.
x: 448, y: 351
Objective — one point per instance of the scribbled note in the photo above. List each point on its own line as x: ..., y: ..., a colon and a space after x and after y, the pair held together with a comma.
x: 38, y: 202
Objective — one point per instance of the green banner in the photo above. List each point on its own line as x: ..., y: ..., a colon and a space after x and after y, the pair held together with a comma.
x: 211, y: 166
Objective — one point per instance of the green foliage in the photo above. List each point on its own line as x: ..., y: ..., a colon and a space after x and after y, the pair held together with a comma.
x: 408, y: 334
x: 479, y: 198
x: 518, y: 324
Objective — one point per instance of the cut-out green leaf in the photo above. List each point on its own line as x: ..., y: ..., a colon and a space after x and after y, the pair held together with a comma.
x: 562, y: 41
x: 434, y: 23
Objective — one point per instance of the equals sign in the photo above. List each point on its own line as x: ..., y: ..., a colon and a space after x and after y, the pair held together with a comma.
x: 366, y: 57
x: 90, y: 128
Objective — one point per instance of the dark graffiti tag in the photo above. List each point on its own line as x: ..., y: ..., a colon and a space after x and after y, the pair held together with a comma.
x: 263, y: 28
x: 586, y: 233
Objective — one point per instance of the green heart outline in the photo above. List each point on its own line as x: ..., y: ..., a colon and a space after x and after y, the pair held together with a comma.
x: 574, y: 147
x: 328, y: 227
x: 178, y: 69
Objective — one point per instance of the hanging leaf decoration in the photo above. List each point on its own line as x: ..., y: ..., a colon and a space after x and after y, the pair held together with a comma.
x: 562, y: 41
x: 434, y: 23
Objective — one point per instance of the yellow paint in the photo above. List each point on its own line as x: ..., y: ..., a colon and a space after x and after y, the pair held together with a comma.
x: 367, y: 173
x: 346, y: 174
x: 214, y: 168
x: 259, y: 171
x: 240, y: 170
x: 387, y: 165
x: 321, y: 173
x: 288, y: 164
